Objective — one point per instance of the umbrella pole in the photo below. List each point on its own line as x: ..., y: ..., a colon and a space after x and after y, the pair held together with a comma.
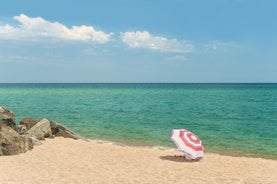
x: 182, y: 156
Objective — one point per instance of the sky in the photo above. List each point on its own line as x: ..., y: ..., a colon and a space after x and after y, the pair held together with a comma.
x: 125, y: 41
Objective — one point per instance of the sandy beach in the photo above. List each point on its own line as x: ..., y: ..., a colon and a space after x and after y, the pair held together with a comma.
x: 62, y: 160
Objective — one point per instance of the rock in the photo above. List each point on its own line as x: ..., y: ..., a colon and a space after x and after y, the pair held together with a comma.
x: 28, y: 143
x: 40, y: 137
x: 42, y: 128
x: 28, y: 122
x: 22, y: 130
x: 7, y: 117
x: 19, y: 139
x: 11, y: 143
x: 60, y: 130
x: 35, y: 141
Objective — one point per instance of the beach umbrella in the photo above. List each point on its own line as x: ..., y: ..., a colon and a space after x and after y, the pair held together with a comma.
x: 188, y: 143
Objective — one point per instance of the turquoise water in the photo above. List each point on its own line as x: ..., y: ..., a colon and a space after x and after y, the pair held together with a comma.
x: 228, y: 118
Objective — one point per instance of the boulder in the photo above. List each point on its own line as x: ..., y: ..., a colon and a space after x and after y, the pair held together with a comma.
x: 28, y: 122
x: 11, y: 143
x: 42, y: 128
x: 62, y: 131
x: 40, y: 137
x: 19, y: 139
x: 28, y: 143
x: 35, y: 141
x: 7, y: 117
x: 22, y: 130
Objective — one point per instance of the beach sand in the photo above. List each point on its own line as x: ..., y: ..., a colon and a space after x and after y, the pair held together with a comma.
x: 68, y: 161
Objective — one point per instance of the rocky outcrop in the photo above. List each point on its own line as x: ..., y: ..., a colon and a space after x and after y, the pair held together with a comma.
x: 11, y: 143
x: 19, y: 139
x: 41, y: 129
x: 36, y: 141
x: 28, y: 122
x: 61, y: 130
x: 7, y: 117
x: 21, y: 129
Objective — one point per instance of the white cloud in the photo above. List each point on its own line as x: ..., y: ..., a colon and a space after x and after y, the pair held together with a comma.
x: 18, y: 59
x: 215, y: 45
x: 143, y: 39
x: 39, y: 28
x: 177, y: 58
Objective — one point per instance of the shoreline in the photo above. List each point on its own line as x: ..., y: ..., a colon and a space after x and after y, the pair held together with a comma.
x: 219, y: 151
x: 63, y: 160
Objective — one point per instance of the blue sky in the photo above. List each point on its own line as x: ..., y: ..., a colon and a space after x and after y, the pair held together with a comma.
x: 138, y: 41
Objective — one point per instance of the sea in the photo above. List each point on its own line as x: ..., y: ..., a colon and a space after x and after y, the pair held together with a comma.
x: 233, y: 119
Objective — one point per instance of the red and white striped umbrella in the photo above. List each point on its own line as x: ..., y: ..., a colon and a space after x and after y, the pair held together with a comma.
x: 188, y: 143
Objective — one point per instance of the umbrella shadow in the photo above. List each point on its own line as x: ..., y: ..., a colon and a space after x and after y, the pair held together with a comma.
x: 177, y: 159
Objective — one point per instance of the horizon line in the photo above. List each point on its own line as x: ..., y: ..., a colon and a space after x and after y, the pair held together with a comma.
x: 138, y: 82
